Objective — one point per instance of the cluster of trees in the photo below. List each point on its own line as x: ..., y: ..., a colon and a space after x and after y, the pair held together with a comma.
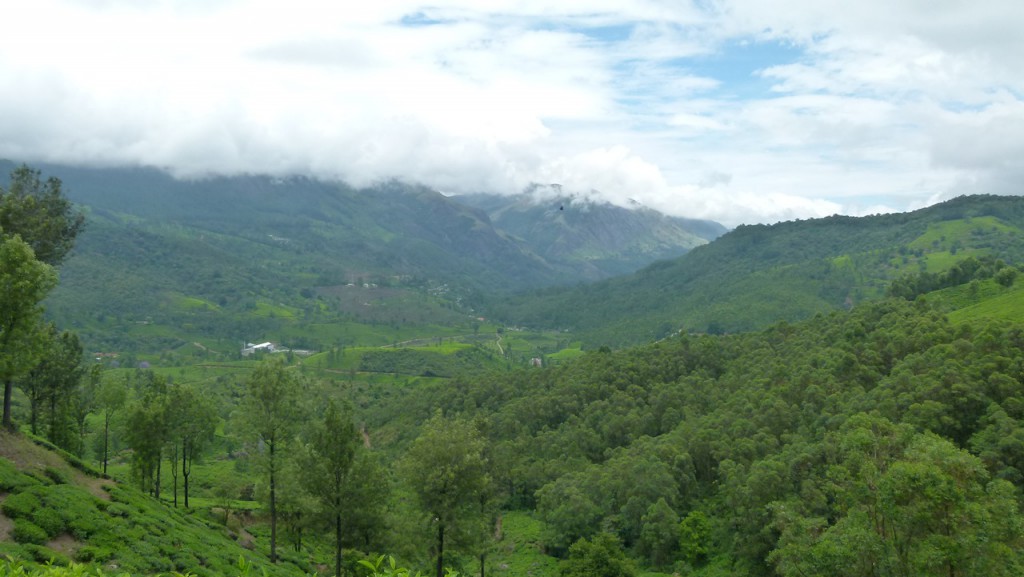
x: 969, y: 269
x: 38, y: 226
x: 881, y: 441
x: 319, y: 474
x: 161, y: 420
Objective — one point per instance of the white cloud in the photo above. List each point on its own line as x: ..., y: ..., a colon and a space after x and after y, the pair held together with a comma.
x: 877, y: 105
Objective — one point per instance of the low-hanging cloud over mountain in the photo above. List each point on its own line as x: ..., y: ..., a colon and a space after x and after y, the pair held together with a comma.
x: 735, y: 110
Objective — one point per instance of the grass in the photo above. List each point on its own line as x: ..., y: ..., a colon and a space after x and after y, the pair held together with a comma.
x: 573, y: 351
x: 991, y: 302
x: 188, y: 303
x: 520, y: 552
x: 943, y: 235
x: 941, y: 261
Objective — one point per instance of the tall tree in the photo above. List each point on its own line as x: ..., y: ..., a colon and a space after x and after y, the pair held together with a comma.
x: 366, y: 496
x: 447, y: 471
x: 24, y: 282
x: 84, y: 403
x: 146, y: 431
x: 38, y: 211
x: 34, y: 214
x: 110, y: 397
x: 195, y: 429
x: 330, y: 454
x: 270, y: 409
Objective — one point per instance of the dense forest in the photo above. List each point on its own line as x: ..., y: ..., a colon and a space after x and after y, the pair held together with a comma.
x: 882, y: 441
x: 882, y: 438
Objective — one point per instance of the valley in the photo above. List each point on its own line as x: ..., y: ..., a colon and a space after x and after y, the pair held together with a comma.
x: 837, y: 396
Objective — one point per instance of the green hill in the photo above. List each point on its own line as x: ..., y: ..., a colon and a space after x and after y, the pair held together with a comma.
x: 756, y: 275
x: 54, y: 513
x: 884, y: 440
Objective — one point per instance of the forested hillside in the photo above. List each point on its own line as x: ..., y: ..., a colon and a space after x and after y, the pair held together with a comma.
x: 221, y: 260
x: 756, y: 275
x: 881, y: 441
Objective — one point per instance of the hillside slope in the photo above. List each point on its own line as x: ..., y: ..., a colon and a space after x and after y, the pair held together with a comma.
x: 756, y: 275
x: 165, y: 261
x: 601, y: 239
x: 52, y: 512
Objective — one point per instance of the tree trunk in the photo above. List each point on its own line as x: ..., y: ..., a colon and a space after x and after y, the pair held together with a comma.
x: 8, y: 391
x: 483, y: 558
x: 156, y: 482
x: 173, y: 460
x: 106, y: 441
x: 52, y: 437
x: 440, y: 550
x: 33, y: 416
x: 337, y: 545
x: 273, y: 507
x: 186, y: 469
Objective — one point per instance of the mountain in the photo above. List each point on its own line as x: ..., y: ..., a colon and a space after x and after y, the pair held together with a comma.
x: 599, y: 238
x: 757, y: 275
x: 164, y: 260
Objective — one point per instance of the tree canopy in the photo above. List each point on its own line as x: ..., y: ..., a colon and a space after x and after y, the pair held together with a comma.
x: 24, y: 282
x: 40, y: 213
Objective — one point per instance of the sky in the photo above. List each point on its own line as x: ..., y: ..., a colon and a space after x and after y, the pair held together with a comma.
x: 741, y: 111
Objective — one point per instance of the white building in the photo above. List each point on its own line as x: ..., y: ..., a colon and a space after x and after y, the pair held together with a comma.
x: 263, y: 347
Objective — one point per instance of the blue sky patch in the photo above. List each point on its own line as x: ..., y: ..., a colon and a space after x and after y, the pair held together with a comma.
x: 736, y: 65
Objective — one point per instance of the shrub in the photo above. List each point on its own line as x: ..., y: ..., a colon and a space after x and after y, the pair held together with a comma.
x: 119, y: 510
x: 12, y: 480
x: 82, y: 527
x: 9, y: 550
x: 21, y: 505
x: 48, y: 520
x: 56, y: 475
x: 47, y: 556
x: 1006, y: 276
x: 26, y: 531
x: 90, y: 553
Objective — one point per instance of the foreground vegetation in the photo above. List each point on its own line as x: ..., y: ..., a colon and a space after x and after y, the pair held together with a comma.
x: 879, y: 441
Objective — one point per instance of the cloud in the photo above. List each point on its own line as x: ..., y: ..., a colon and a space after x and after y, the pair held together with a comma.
x: 735, y: 110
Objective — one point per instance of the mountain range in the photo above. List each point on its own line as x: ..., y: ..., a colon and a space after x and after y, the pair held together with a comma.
x: 156, y: 248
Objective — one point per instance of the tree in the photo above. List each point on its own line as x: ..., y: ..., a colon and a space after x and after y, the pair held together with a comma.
x: 38, y: 211
x: 146, y: 433
x: 694, y: 534
x: 659, y: 535
x: 110, y: 397
x: 191, y: 421
x: 24, y: 282
x: 447, y: 471
x: 601, y: 557
x: 53, y: 383
x: 902, y: 504
x: 270, y: 410
x: 84, y: 403
x: 330, y: 454
x: 367, y: 495
x: 39, y: 227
